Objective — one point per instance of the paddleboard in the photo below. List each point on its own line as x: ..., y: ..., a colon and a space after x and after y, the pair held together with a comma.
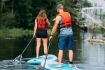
x: 52, y: 66
x: 50, y: 57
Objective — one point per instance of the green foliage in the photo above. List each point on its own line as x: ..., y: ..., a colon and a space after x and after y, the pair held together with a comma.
x: 14, y: 33
x: 86, y: 3
x: 60, y: 1
x: 7, y: 20
x: 22, y: 13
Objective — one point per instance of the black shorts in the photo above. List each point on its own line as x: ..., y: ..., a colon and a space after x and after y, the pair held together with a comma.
x: 41, y: 33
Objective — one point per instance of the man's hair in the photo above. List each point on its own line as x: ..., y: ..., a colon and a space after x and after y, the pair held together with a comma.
x: 59, y: 6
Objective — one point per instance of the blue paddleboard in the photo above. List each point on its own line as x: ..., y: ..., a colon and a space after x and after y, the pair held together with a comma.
x: 52, y: 66
x: 42, y: 58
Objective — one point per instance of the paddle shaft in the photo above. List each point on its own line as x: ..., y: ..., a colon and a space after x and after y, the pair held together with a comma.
x: 28, y: 45
x: 46, y: 55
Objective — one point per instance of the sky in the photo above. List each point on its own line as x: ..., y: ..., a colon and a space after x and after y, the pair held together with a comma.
x: 98, y: 2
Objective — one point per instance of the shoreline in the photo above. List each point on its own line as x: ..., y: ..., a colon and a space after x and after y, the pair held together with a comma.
x: 14, y: 33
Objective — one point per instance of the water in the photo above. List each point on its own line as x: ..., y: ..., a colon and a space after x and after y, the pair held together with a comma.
x: 88, y: 56
x: 10, y: 48
x: 93, y: 55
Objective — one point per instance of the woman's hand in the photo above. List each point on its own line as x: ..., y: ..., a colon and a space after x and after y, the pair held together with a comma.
x: 34, y: 34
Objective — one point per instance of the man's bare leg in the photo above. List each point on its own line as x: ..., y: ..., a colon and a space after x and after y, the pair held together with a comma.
x: 60, y: 55
x: 71, y: 57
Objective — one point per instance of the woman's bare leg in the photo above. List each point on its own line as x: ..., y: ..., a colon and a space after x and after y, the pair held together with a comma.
x: 45, y: 41
x: 38, y: 40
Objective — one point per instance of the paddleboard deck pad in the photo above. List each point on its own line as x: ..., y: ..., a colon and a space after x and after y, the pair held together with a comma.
x: 53, y: 66
x: 42, y: 58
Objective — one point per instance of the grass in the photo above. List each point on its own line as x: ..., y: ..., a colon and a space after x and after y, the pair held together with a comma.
x: 14, y: 33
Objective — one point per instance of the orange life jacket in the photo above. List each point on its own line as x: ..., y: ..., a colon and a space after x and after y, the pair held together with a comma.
x: 41, y: 24
x: 66, y: 20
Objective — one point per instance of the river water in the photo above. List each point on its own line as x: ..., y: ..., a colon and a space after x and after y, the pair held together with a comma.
x: 88, y: 56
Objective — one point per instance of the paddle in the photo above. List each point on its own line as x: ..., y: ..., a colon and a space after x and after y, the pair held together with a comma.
x: 19, y: 57
x: 46, y: 54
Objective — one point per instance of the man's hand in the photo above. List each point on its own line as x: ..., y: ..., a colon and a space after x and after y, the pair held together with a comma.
x: 51, y: 36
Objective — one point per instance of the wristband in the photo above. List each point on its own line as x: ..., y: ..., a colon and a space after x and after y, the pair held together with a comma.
x: 51, y: 35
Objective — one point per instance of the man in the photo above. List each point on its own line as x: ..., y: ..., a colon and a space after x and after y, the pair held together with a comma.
x: 63, y: 21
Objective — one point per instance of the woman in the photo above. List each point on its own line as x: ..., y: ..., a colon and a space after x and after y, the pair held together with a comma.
x: 40, y: 30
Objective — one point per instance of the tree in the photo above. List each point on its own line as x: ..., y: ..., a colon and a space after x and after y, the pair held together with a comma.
x: 23, y: 12
x: 6, y: 14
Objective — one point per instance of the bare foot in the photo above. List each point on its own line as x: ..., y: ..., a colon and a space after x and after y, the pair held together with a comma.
x: 77, y: 68
x: 71, y: 65
x: 58, y: 66
x: 37, y: 57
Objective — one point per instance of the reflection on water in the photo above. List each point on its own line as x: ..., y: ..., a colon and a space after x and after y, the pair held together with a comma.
x: 10, y: 48
x: 87, y: 56
x: 93, y: 55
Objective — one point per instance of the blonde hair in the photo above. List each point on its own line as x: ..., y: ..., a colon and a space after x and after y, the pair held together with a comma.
x: 42, y: 15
